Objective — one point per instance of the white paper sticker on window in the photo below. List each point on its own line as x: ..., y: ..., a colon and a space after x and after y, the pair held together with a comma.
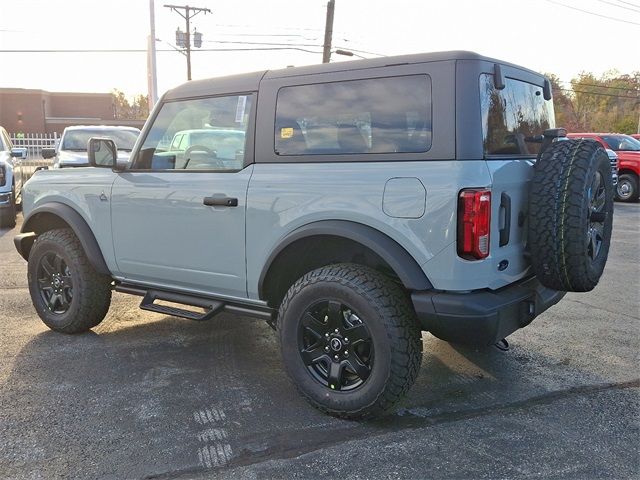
x: 242, y: 104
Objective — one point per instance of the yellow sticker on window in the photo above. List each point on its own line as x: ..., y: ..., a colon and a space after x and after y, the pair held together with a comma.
x: 286, y: 132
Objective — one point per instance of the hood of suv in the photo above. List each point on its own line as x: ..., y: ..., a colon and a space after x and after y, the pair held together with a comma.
x: 72, y: 159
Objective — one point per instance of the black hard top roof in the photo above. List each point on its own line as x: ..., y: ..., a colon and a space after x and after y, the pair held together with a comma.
x: 248, y: 82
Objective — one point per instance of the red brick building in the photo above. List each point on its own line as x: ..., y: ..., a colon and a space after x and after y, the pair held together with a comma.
x: 39, y: 111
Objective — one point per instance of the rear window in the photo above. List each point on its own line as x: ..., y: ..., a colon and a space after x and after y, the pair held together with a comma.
x: 383, y: 115
x: 512, y: 116
x: 77, y: 140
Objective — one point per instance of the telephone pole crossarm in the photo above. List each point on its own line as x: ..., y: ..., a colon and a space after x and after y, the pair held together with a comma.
x: 189, y: 13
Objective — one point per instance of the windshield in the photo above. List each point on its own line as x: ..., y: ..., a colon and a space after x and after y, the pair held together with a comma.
x: 77, y: 140
x: 623, y: 143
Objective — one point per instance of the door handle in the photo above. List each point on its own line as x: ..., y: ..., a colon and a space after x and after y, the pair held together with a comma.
x: 220, y: 201
x: 505, y: 231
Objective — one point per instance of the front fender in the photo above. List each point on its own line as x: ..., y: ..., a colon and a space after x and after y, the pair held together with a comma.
x: 48, y: 216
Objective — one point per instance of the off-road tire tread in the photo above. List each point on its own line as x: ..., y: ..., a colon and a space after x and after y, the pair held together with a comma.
x: 398, y: 315
x: 94, y: 289
x: 558, y: 211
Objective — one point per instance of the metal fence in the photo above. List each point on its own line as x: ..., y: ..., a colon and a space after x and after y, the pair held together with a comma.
x: 34, y: 143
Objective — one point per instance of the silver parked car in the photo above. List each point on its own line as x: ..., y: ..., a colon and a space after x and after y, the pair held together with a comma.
x: 72, y: 148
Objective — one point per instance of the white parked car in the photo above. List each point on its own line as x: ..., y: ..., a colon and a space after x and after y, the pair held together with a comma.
x: 72, y: 149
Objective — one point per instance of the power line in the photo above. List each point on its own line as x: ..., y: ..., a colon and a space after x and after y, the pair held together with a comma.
x: 362, y: 51
x: 599, y: 94
x: 265, y: 43
x: 629, y: 3
x: 604, y: 86
x: 130, y: 50
x: 226, y: 34
x: 593, y: 13
x: 620, y: 6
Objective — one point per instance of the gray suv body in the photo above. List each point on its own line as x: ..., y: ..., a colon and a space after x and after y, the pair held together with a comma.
x: 369, y: 201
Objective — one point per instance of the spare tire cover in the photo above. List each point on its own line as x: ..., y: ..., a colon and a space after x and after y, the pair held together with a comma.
x: 571, y: 215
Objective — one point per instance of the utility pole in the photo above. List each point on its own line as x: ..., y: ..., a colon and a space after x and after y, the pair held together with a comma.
x: 328, y: 32
x: 152, y: 78
x: 185, y: 42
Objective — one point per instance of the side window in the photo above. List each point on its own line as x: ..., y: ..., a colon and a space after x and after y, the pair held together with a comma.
x: 199, y: 134
x: 184, y: 142
x: 512, y: 116
x: 381, y: 115
x: 175, y: 145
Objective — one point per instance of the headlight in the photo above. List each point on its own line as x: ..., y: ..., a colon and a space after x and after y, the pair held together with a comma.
x: 3, y: 175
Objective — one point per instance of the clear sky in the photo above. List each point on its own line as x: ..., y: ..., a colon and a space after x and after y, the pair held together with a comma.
x: 539, y: 34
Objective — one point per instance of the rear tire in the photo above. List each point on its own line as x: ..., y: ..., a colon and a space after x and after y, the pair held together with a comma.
x: 68, y: 294
x: 571, y: 215
x: 627, y: 188
x: 350, y: 340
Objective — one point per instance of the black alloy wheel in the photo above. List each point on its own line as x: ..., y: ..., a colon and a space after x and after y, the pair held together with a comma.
x: 335, y: 345
x: 350, y: 340
x: 597, y: 217
x: 55, y: 283
x: 68, y: 294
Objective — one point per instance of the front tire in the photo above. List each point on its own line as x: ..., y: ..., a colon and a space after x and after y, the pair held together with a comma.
x: 350, y: 340
x: 627, y: 188
x: 68, y: 294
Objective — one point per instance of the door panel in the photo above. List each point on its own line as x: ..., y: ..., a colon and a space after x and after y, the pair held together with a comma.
x: 165, y: 234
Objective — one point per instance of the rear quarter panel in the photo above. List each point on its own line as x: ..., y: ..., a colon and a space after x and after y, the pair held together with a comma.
x: 284, y: 197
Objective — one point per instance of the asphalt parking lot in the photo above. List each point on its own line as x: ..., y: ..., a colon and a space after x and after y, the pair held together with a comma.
x: 147, y: 396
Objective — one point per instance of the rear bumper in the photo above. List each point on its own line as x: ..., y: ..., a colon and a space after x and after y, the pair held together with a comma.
x: 483, y: 317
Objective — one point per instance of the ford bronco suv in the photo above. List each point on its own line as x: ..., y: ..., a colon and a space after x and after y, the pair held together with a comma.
x: 368, y: 201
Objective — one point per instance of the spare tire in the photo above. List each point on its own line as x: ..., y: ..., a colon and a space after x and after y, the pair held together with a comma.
x: 571, y: 215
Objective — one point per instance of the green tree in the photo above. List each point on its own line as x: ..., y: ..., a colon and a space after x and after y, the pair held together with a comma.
x: 609, y: 103
x: 563, y: 105
x: 138, y: 109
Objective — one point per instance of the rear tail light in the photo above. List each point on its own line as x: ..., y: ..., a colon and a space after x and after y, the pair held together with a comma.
x: 474, y: 223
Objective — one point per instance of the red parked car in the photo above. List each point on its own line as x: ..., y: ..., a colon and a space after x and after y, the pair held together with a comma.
x: 628, y: 150
x: 636, y: 136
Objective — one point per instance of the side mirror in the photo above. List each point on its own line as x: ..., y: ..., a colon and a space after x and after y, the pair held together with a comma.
x: 19, y: 152
x: 102, y: 153
x: 48, y: 152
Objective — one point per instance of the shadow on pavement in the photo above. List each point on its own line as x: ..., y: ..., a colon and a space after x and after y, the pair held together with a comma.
x: 158, y: 396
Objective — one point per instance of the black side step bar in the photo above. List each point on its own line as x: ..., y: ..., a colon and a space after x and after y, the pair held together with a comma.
x: 211, y: 305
